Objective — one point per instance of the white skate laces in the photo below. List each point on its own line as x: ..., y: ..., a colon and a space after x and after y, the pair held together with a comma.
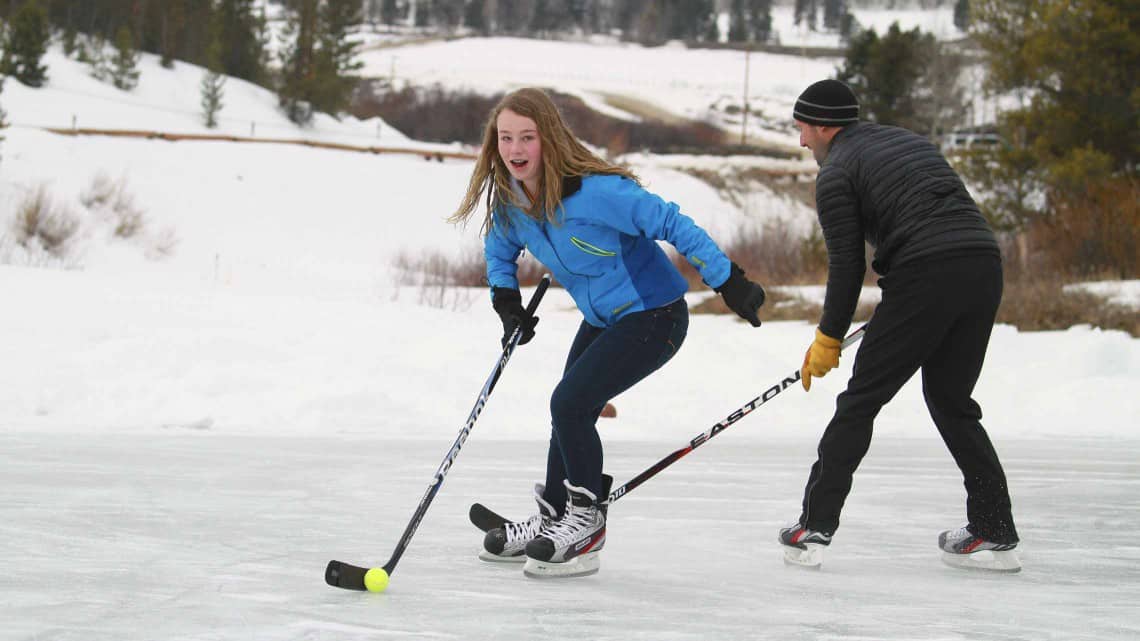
x: 524, y: 531
x: 573, y: 523
x: 569, y: 547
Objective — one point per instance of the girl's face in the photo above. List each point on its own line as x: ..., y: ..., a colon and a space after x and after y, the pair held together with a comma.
x: 520, y: 148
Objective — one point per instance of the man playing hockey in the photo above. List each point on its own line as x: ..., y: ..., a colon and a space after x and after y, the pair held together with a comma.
x: 941, y: 283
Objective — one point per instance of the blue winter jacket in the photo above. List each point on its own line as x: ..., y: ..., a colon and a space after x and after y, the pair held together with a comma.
x: 603, y: 249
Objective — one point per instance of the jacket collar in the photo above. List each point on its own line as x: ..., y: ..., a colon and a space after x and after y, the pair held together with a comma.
x: 570, y: 186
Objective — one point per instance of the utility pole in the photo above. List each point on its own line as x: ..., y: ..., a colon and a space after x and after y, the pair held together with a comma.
x: 744, y: 122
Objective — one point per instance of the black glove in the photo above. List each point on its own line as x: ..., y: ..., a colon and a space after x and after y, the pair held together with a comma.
x: 742, y: 295
x: 508, y: 304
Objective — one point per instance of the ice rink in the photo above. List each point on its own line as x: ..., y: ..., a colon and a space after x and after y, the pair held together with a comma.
x: 192, y: 535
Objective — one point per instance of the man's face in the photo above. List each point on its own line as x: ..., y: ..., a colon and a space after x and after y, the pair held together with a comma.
x: 816, y: 138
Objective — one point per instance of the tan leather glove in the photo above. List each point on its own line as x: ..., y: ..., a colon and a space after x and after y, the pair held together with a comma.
x: 821, y: 358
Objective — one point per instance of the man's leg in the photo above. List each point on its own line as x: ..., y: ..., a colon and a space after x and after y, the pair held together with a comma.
x: 906, y: 327
x: 948, y: 379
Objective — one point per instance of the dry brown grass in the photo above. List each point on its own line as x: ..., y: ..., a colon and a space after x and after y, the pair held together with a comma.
x: 1039, y: 303
x: 780, y: 305
x: 435, y: 269
x: 41, y: 223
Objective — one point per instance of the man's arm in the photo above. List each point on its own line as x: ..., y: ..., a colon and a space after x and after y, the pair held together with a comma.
x: 838, y: 207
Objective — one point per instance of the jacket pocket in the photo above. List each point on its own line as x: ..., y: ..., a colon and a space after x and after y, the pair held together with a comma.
x: 592, y: 250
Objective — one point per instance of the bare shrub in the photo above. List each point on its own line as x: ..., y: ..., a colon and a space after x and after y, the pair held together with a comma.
x: 127, y: 220
x: 770, y: 255
x: 41, y: 223
x: 14, y: 253
x: 100, y: 193
x: 433, y: 274
x: 781, y: 305
x: 437, y: 114
x: 162, y: 245
x: 1093, y: 232
x: 112, y: 202
x: 440, y: 278
x: 1036, y: 303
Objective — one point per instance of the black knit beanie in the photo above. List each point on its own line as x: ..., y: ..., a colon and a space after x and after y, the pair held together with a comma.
x: 827, y: 102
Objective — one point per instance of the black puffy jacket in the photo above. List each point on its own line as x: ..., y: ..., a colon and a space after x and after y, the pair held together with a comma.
x: 893, y: 189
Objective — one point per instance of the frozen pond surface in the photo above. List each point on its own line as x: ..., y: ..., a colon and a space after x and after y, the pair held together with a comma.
x: 177, y: 535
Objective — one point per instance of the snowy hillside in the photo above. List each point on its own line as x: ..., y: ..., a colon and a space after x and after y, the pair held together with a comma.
x: 276, y: 237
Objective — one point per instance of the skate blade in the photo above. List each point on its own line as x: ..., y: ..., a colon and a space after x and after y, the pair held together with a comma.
x: 986, y: 560
x: 584, y: 565
x: 810, y: 558
x: 495, y: 558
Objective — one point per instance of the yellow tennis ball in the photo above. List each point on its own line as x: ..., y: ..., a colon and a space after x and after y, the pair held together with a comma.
x: 376, y: 580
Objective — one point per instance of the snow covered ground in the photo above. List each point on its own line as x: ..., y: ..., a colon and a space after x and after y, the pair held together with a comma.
x: 186, y: 439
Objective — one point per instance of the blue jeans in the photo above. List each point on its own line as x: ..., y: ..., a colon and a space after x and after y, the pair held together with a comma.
x: 603, y: 362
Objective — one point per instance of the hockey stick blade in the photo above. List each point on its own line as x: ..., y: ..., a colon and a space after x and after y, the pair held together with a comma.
x: 484, y: 518
x: 352, y: 577
x: 345, y: 575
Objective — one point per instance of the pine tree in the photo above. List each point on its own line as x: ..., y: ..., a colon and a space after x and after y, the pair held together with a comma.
x: 298, y: 68
x: 241, y: 45
x: 805, y: 13
x: 962, y: 14
x: 473, y: 17
x: 447, y: 14
x: 737, y: 22
x: 96, y: 58
x: 389, y: 12
x: 124, y: 66
x: 171, y: 22
x: 1078, y: 59
x: 69, y: 40
x: 25, y: 45
x: 335, y: 57
x: 751, y: 20
x: 904, y: 79
x: 688, y: 19
x: 760, y: 20
x: 213, y: 82
x: 833, y: 12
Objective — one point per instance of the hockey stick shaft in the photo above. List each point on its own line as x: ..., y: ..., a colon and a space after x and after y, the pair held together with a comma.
x: 703, y: 437
x: 344, y: 575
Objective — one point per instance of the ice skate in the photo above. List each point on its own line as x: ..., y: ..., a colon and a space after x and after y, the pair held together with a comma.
x: 569, y: 547
x: 507, y: 544
x: 963, y: 549
x: 803, y: 547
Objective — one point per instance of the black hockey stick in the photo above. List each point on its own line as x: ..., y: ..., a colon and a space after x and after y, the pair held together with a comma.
x: 700, y: 439
x: 351, y: 577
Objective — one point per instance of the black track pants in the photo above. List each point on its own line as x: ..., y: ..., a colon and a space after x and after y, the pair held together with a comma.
x: 936, y: 317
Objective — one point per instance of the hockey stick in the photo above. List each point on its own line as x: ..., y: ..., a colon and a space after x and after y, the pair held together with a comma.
x: 352, y: 577
x: 700, y: 439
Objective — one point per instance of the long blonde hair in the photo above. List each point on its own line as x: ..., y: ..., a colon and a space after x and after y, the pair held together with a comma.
x: 562, y: 156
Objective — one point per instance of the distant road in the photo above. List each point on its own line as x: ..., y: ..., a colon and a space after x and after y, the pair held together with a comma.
x: 428, y: 154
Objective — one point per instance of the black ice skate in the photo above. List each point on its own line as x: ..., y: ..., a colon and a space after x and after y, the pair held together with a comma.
x: 803, y: 546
